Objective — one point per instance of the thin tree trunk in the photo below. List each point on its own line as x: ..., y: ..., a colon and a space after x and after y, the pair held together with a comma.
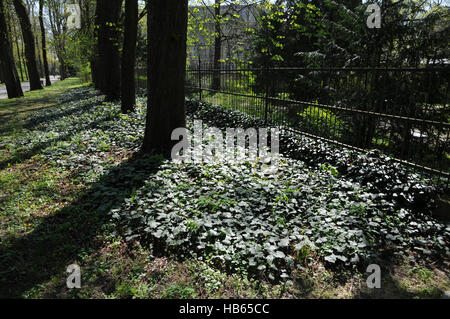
x: 7, y: 66
x: 39, y: 60
x: 57, y: 24
x: 23, y: 61
x: 16, y: 41
x: 11, y: 51
x: 62, y: 63
x: 19, y: 57
x: 44, y: 43
x: 167, y: 27
x: 129, y: 56
x: 107, y: 60
x: 11, y: 31
x: 92, y: 59
x: 217, y: 47
x: 30, y: 50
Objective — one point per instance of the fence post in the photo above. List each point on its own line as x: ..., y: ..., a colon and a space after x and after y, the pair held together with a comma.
x: 200, y: 81
x: 266, y: 99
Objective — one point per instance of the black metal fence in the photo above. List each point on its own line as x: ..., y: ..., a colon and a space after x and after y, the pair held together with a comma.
x: 403, y: 112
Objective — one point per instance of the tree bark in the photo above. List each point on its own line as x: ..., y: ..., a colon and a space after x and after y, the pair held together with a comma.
x: 13, y: 34
x: 23, y: 61
x: 19, y: 58
x: 107, y: 60
x: 44, y: 44
x: 7, y: 66
x: 58, y: 22
x: 217, y: 47
x: 129, y: 56
x: 38, y: 54
x: 30, y: 50
x: 167, y: 27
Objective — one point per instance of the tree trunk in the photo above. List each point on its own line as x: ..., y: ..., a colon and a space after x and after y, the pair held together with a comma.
x: 62, y: 65
x: 167, y: 27
x: 95, y: 63
x: 38, y: 54
x: 30, y: 50
x: 58, y: 26
x: 107, y: 60
x: 23, y: 61
x: 13, y: 38
x: 12, y: 32
x: 44, y: 44
x: 7, y: 66
x: 217, y: 47
x: 19, y: 58
x: 129, y: 56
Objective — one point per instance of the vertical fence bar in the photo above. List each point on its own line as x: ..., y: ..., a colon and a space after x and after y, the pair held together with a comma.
x: 266, y: 100
x: 358, y: 107
x: 199, y: 69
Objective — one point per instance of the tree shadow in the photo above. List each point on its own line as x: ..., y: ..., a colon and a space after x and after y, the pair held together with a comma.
x: 86, y: 94
x: 36, y: 149
x: 52, y: 115
x: 394, y: 287
x: 34, y: 258
x: 80, y: 94
x: 15, y: 112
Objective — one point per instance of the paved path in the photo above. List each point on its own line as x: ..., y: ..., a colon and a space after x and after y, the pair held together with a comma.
x: 25, y: 87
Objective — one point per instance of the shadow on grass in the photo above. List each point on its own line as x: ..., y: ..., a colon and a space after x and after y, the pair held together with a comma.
x: 6, y: 116
x: 54, y: 244
x: 52, y: 115
x: 19, y: 157
x: 23, y: 156
x: 83, y: 94
x: 33, y: 98
x: 394, y: 287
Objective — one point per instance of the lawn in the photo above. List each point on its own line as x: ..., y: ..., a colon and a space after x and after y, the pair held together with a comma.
x: 74, y: 189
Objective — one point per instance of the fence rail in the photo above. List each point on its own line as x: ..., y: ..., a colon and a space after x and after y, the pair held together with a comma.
x: 403, y: 112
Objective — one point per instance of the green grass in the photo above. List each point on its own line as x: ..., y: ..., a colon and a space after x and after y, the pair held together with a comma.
x: 38, y: 98
x: 253, y: 107
x: 13, y: 111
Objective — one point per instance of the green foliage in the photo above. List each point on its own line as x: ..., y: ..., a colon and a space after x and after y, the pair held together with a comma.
x: 346, y: 207
x: 179, y: 292
x: 321, y: 121
x: 332, y: 33
x: 284, y: 28
x: 84, y: 73
x: 254, y: 223
x: 330, y: 169
x: 232, y: 31
x: 210, y: 277
x: 260, y: 231
x: 199, y: 35
x: 423, y: 273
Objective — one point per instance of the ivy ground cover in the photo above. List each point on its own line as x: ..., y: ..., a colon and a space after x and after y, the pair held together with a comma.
x: 336, y: 207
